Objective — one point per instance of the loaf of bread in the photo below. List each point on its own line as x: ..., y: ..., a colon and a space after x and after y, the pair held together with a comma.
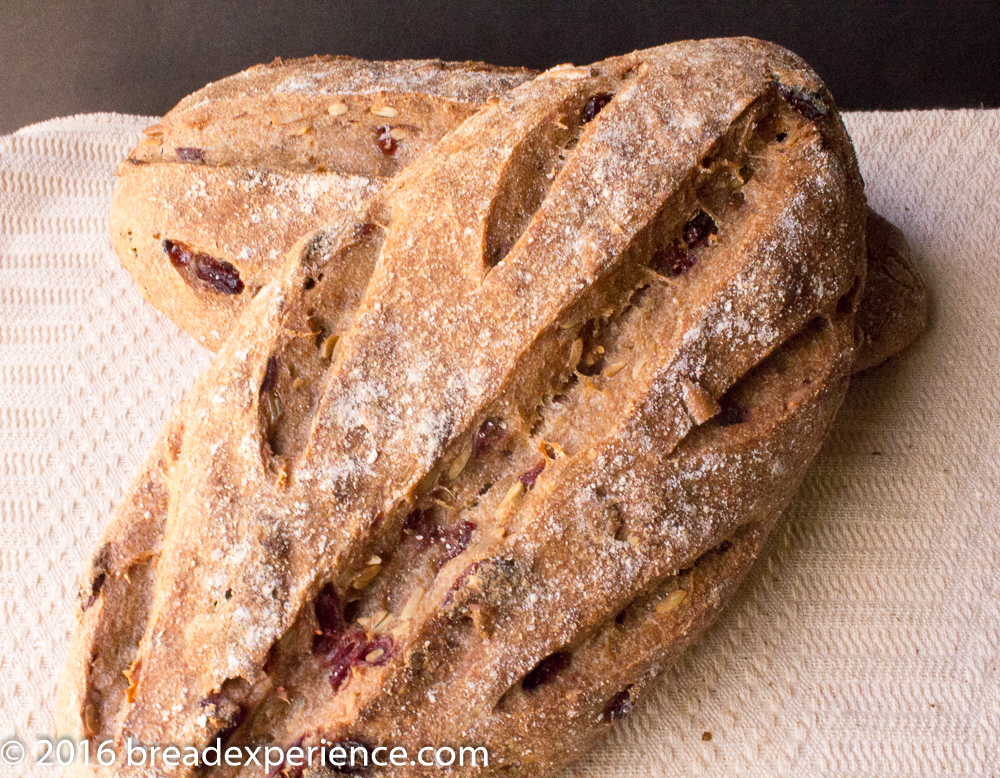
x: 207, y: 207
x: 895, y: 302
x: 499, y: 442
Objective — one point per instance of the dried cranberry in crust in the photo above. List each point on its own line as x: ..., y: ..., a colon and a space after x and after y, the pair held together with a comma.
x: 270, y: 377
x: 808, y: 103
x: 698, y: 228
x: 457, y: 538
x: 190, y: 154
x: 366, y: 229
x: 529, y: 477
x: 490, y: 434
x: 593, y: 107
x: 416, y: 520
x: 384, y: 140
x: 546, y: 671
x: 672, y: 262
x: 329, y: 610
x: 682, y: 262
x: 421, y: 523
x: 621, y: 705
x: 348, y: 652
x: 179, y: 254
x: 218, y: 274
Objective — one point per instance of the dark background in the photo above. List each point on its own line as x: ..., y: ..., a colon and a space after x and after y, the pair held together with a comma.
x: 132, y: 56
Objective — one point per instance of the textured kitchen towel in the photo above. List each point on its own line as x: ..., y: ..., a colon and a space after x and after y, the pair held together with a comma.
x: 866, y: 640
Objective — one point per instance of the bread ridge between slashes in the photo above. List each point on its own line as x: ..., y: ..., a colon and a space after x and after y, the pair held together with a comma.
x: 536, y: 429
x: 238, y: 171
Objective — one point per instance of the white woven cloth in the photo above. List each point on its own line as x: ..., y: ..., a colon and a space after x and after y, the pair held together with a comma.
x: 866, y: 641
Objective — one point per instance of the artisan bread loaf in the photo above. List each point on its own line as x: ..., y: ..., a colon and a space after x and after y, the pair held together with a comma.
x: 604, y: 326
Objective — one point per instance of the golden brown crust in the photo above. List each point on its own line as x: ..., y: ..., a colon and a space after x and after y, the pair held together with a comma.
x: 605, y: 326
